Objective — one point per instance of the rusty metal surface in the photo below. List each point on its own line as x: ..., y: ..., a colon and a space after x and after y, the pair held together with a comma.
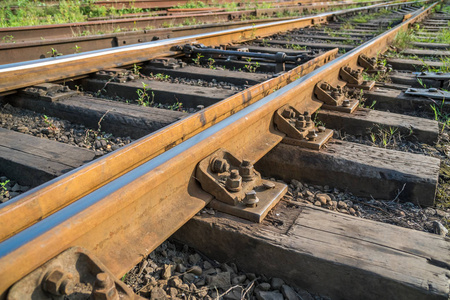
x: 73, y: 272
x: 237, y: 187
x: 127, y: 218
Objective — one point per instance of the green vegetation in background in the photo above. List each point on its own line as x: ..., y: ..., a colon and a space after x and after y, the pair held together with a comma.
x: 34, y: 12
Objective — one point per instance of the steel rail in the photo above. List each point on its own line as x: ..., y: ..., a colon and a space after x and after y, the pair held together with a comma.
x: 20, y: 75
x: 125, y: 219
x: 70, y: 29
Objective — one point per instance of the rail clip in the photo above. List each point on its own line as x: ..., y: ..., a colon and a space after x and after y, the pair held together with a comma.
x: 334, y: 98
x: 73, y: 272
x: 237, y: 187
x: 300, y: 129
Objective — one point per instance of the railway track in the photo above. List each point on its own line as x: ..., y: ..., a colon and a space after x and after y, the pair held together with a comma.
x: 273, y: 78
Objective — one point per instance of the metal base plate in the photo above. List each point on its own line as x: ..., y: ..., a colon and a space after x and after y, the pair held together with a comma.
x: 347, y: 109
x: 322, y: 138
x: 268, y: 198
x: 367, y: 85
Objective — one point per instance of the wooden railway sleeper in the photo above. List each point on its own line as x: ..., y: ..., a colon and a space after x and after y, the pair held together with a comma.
x: 300, y: 130
x: 237, y: 187
x: 74, y: 271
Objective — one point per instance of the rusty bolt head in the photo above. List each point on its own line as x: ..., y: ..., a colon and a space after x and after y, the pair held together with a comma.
x: 219, y: 165
x: 335, y: 94
x: 251, y: 200
x: 269, y: 185
x: 312, y: 135
x: 346, y: 103
x: 288, y: 113
x: 234, y: 174
x: 321, y: 128
x: 58, y: 282
x: 234, y: 181
x: 246, y: 170
x: 104, y: 288
x: 299, y: 124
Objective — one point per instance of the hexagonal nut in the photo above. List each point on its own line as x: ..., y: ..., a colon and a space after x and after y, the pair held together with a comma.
x: 104, y: 288
x: 219, y: 165
x: 58, y: 282
x: 246, y: 170
x: 233, y: 184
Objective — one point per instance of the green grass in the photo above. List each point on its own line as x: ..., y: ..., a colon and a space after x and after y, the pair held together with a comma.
x: 192, y: 4
x: 34, y: 12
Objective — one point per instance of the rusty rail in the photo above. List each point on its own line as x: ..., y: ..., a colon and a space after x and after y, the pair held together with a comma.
x: 126, y: 218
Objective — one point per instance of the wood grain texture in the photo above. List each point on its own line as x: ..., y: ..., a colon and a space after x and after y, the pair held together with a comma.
x: 119, y: 118
x: 363, y: 121
x: 329, y: 253
x: 32, y: 161
x: 363, y: 170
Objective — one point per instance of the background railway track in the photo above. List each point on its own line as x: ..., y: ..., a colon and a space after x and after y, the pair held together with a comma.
x: 27, y: 43
x: 411, y: 177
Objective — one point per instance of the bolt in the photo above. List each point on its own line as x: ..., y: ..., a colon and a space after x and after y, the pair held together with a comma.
x: 433, y: 90
x: 269, y: 185
x: 219, y: 165
x: 251, y: 199
x: 200, y: 107
x: 246, y: 170
x: 104, y: 288
x: 288, y: 113
x: 312, y: 135
x: 335, y: 94
x: 321, y: 128
x: 299, y: 124
x: 58, y: 282
x: 346, y: 103
x: 234, y: 181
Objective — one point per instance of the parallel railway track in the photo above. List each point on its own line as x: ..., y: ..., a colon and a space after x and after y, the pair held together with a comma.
x: 115, y: 207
